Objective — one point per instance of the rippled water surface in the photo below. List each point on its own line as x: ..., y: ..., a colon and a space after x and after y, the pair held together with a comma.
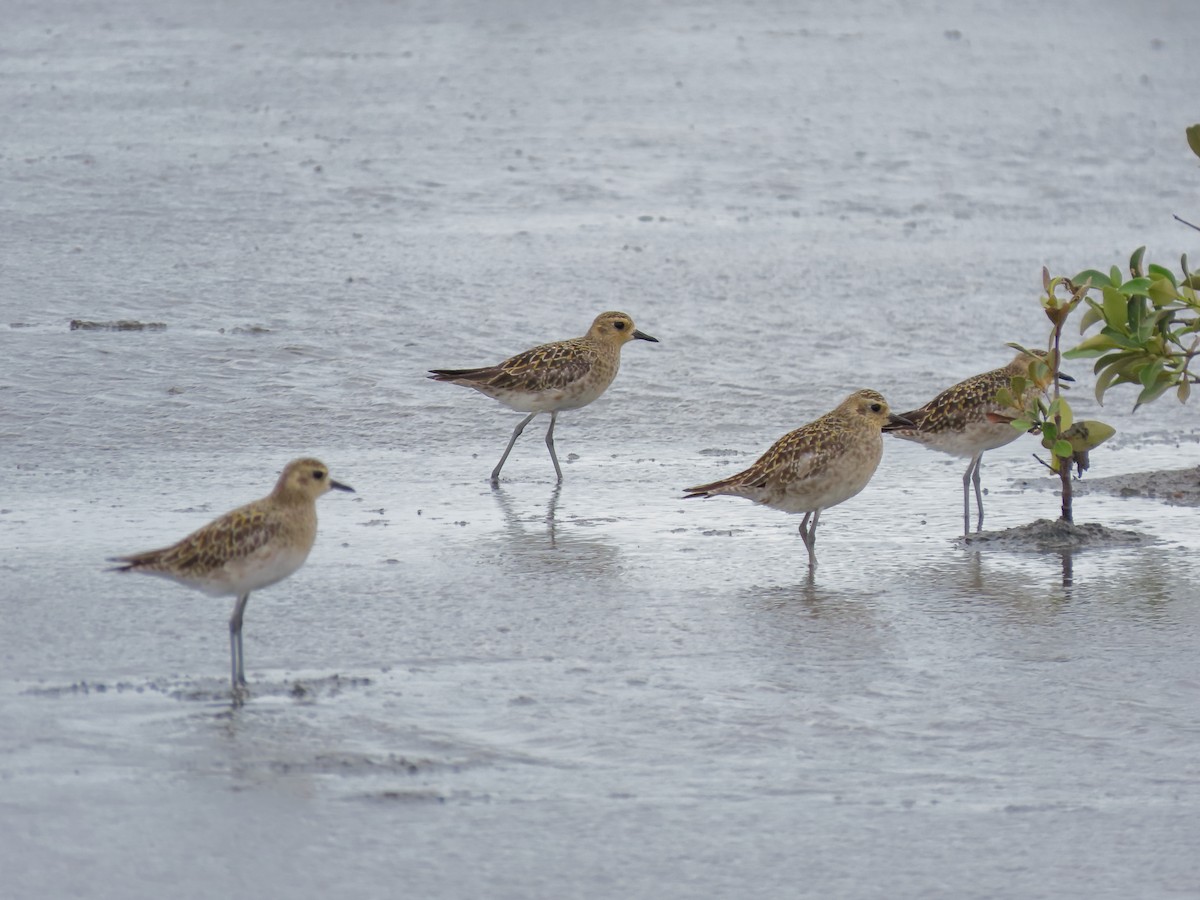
x: 596, y: 690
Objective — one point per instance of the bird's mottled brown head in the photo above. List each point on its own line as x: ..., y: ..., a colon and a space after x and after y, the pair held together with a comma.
x: 616, y: 327
x: 1042, y: 376
x: 309, y: 477
x: 870, y: 406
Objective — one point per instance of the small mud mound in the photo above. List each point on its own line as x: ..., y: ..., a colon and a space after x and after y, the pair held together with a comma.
x: 1045, y: 534
x: 1178, y: 487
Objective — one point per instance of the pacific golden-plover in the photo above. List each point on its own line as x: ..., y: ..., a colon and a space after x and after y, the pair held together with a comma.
x: 817, y: 466
x: 552, y: 377
x: 959, y: 421
x: 246, y: 549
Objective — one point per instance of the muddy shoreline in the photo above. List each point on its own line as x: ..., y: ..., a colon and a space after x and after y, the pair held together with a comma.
x: 1177, y: 487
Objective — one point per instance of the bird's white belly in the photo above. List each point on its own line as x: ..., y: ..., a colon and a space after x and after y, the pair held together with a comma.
x: 250, y: 573
x: 975, y: 438
x: 820, y: 496
x: 554, y: 400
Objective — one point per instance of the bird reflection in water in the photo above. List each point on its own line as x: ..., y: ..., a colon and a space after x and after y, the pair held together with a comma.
x: 515, y: 522
x: 539, y: 538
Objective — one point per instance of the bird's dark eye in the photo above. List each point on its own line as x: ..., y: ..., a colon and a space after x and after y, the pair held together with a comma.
x: 620, y: 326
x: 318, y: 474
x: 875, y: 407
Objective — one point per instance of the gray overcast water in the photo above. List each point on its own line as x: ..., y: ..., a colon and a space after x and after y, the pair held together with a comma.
x: 600, y: 690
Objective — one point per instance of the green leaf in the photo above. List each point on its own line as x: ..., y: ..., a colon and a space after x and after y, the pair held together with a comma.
x: 1116, y: 308
x: 1135, y: 286
x: 1103, y: 383
x: 1131, y: 365
x: 1004, y: 397
x: 1163, y: 272
x: 1063, y: 449
x: 1088, y: 435
x: 1066, y: 416
x: 1149, y: 374
x: 1049, y: 433
x: 1184, y: 391
x: 1193, y: 138
x: 1022, y: 425
x: 1114, y: 276
x: 1018, y: 383
x: 1093, y: 315
x: 1096, y: 345
x: 1162, y: 292
x: 1117, y: 368
x: 1093, y: 278
x: 1145, y: 334
x: 1121, y: 339
x: 1153, y: 392
x: 1135, y: 262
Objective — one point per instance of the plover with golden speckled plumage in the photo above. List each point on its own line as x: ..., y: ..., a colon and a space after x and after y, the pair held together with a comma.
x: 246, y: 549
x: 959, y: 421
x: 552, y: 377
x: 817, y: 466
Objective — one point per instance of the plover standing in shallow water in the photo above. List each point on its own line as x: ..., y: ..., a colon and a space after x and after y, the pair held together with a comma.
x: 249, y: 548
x: 957, y: 421
x: 553, y: 377
x: 818, y: 465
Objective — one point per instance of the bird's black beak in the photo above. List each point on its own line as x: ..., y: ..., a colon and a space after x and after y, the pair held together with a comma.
x: 642, y: 336
x: 338, y: 486
x: 894, y: 421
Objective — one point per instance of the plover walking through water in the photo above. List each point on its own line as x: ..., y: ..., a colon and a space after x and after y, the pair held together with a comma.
x: 552, y: 377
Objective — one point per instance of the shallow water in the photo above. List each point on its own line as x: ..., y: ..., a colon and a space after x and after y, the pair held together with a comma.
x: 596, y: 690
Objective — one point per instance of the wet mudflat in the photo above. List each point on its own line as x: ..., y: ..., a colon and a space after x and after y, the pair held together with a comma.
x: 596, y: 689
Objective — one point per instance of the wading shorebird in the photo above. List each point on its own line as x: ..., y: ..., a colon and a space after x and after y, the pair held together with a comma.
x: 959, y: 421
x: 553, y: 377
x: 249, y: 548
x: 818, y: 465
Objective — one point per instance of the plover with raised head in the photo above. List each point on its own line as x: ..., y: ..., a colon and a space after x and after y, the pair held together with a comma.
x: 819, y: 465
x: 249, y: 548
x: 552, y: 377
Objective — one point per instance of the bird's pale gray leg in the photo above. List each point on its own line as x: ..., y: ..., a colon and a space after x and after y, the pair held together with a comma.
x: 512, y: 440
x: 235, y: 643
x: 808, y: 533
x: 978, y: 492
x: 972, y: 472
x: 813, y: 540
x: 550, y: 445
x: 804, y: 528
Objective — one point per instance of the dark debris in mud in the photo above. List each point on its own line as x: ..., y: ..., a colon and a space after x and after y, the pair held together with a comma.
x: 1056, y: 535
x: 1178, y: 487
x: 404, y: 797
x: 346, y: 763
x: 118, y: 325
x: 303, y: 690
